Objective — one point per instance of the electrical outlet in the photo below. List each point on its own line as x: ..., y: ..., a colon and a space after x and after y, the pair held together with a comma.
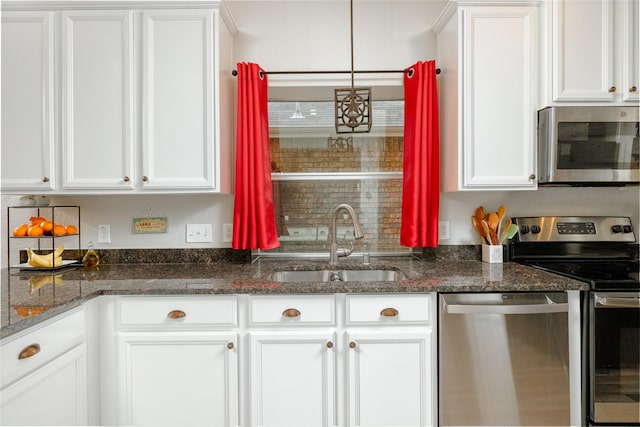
x: 199, y: 233
x: 443, y: 230
x: 104, y: 233
x: 227, y: 232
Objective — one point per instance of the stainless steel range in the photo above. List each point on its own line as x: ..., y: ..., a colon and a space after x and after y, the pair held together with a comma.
x: 597, y: 250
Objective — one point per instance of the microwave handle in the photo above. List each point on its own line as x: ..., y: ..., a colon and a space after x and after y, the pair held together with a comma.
x: 617, y: 302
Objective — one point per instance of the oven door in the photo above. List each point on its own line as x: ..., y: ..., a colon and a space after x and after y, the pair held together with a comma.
x: 614, y: 367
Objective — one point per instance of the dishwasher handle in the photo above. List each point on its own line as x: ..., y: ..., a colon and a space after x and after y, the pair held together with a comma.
x: 539, y: 308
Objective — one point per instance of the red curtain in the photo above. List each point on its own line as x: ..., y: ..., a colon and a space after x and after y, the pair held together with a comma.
x: 421, y: 166
x: 253, y: 217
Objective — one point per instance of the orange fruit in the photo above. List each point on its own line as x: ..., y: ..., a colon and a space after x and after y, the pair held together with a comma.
x: 21, y: 230
x: 35, y: 231
x: 71, y: 229
x: 47, y: 226
x: 59, y: 230
x: 36, y: 220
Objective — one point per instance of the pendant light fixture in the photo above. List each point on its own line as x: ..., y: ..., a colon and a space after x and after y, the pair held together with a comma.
x: 353, y: 105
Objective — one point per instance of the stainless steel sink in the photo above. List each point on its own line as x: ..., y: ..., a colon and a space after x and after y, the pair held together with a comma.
x: 343, y: 275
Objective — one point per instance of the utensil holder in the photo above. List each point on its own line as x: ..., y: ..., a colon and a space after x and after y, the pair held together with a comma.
x: 492, y: 253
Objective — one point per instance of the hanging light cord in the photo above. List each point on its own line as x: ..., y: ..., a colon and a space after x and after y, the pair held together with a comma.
x: 351, y: 29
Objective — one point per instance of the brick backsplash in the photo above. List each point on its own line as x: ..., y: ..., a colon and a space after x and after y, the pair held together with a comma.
x: 303, y: 206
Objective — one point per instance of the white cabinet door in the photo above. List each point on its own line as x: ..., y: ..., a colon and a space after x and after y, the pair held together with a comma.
x: 27, y: 101
x: 390, y: 379
x: 97, y: 113
x: 178, y: 98
x: 293, y: 379
x: 54, y: 394
x: 595, y: 47
x: 488, y: 98
x: 582, y: 45
x: 185, y: 379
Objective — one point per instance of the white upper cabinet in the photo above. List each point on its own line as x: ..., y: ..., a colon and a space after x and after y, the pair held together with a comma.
x: 97, y: 108
x: 178, y: 95
x: 594, y: 51
x: 27, y: 101
x: 119, y: 99
x: 487, y: 95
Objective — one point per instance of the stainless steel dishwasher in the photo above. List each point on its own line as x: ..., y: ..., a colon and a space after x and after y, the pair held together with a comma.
x: 504, y: 359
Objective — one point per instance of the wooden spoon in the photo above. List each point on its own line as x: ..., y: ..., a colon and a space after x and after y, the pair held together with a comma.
x: 487, y: 231
x: 480, y: 213
x: 479, y: 229
x: 502, y: 211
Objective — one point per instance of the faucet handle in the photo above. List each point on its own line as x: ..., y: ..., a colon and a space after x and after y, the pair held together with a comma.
x: 343, y: 252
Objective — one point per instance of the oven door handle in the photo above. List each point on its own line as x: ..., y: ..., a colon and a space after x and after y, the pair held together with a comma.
x: 618, y: 302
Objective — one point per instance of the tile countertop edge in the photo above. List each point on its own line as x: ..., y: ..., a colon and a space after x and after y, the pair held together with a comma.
x: 180, y: 279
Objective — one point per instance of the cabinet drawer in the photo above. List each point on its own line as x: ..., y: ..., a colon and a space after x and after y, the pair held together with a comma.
x: 34, y: 348
x: 292, y: 310
x: 388, y: 309
x: 179, y: 311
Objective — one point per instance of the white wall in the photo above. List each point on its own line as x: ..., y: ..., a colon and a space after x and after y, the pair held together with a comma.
x: 218, y: 209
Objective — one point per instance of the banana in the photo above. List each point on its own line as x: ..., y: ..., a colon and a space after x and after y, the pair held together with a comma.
x: 36, y: 282
x: 52, y: 259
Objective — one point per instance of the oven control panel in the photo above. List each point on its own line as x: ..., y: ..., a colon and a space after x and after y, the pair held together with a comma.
x: 575, y: 229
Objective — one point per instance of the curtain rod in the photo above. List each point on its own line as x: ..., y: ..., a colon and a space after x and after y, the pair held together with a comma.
x: 235, y: 72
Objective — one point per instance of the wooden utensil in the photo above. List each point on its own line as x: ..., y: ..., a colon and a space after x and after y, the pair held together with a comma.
x: 502, y: 211
x: 487, y: 231
x: 480, y: 213
x: 479, y: 229
x: 492, y: 222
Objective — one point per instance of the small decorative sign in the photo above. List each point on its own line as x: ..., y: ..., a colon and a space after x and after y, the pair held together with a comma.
x: 146, y: 225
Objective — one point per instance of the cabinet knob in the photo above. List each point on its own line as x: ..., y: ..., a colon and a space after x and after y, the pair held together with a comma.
x: 125, y: 179
x: 176, y: 314
x: 612, y: 89
x: 291, y: 312
x: 45, y: 179
x: 633, y: 89
x: 28, y: 351
x: 389, y: 312
x: 532, y: 176
x: 352, y: 344
x: 230, y: 346
x: 329, y: 344
x: 145, y: 178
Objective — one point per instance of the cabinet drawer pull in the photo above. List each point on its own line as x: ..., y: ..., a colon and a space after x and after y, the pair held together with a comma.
x: 230, y: 346
x: 145, y: 178
x: 125, y: 179
x: 532, y: 176
x: 633, y: 89
x: 28, y: 351
x: 352, y: 344
x: 389, y: 312
x: 45, y: 179
x: 329, y: 344
x: 291, y: 312
x: 176, y: 314
x: 612, y: 89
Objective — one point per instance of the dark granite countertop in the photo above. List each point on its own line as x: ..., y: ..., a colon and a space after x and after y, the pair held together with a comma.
x: 31, y: 297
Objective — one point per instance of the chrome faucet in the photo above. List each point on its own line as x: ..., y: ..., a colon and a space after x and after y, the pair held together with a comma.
x: 357, y: 233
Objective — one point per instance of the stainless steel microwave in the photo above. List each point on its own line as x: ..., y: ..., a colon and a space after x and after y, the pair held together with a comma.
x: 589, y: 145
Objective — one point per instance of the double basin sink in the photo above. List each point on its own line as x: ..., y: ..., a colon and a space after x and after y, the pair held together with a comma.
x: 338, y: 275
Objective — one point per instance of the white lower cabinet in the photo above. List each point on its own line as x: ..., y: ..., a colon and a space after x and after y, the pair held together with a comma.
x: 272, y: 360
x: 44, y: 374
x: 389, y: 379
x: 391, y: 360
x: 293, y: 379
x: 176, y: 361
x: 178, y: 379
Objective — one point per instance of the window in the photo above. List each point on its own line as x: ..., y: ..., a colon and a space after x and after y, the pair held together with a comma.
x: 315, y: 169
